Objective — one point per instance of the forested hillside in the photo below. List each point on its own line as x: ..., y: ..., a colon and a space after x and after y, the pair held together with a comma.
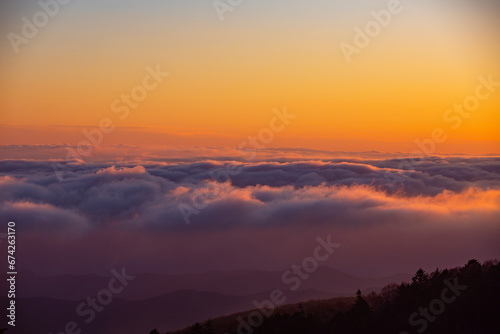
x: 455, y: 301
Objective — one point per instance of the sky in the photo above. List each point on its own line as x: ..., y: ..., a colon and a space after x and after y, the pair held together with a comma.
x: 157, y: 136
x: 226, y: 77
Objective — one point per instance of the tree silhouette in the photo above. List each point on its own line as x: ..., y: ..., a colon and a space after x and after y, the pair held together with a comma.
x: 301, y: 311
x: 361, y: 306
x: 197, y: 329
x: 420, y: 277
x: 208, y: 328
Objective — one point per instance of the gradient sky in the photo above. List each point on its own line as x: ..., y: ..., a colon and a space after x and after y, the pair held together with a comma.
x: 120, y: 206
x: 227, y: 76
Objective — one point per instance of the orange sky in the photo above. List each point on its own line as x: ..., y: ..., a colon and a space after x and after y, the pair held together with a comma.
x: 226, y: 77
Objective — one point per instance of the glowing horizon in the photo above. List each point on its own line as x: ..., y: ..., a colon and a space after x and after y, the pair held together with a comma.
x: 227, y: 77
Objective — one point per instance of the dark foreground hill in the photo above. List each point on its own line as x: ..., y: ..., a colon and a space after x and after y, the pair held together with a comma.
x: 464, y: 300
x: 173, y: 310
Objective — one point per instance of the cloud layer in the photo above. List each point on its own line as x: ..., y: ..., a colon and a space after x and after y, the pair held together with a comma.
x: 267, y: 205
x: 263, y: 194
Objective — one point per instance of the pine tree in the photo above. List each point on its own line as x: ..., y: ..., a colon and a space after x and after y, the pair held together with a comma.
x: 361, y: 306
x: 420, y: 277
x: 197, y: 329
x: 208, y: 328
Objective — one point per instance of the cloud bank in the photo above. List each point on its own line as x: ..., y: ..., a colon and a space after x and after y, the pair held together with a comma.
x: 266, y: 205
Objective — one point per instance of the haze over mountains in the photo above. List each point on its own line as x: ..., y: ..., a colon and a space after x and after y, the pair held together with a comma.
x: 237, y: 283
x: 169, y: 301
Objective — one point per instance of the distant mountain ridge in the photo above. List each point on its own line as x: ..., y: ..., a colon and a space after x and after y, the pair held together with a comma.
x: 236, y: 283
x: 173, y: 310
x: 46, y: 304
